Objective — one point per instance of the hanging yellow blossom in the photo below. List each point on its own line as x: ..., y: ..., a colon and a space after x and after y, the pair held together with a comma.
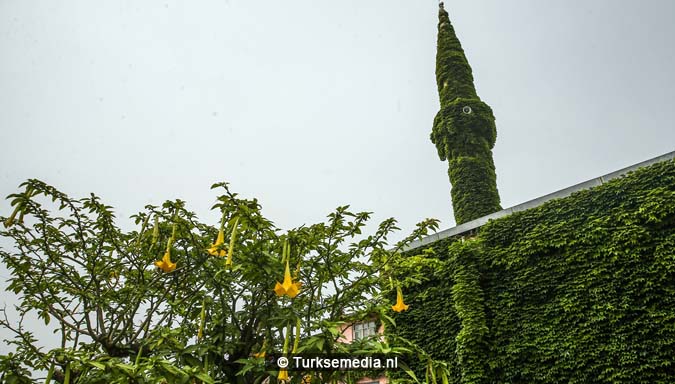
x: 262, y: 350
x: 283, y: 375
x: 165, y: 264
x: 400, y: 305
x: 20, y: 208
x: 288, y: 288
x: 10, y: 220
x: 217, y: 248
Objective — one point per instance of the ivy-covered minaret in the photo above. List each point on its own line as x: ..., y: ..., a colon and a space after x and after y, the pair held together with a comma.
x: 464, y: 130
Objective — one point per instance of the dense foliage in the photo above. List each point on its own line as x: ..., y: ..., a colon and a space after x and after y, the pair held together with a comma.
x: 180, y: 301
x: 464, y: 130
x: 578, y: 290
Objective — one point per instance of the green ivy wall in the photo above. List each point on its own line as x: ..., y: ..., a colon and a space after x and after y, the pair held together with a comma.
x: 578, y: 290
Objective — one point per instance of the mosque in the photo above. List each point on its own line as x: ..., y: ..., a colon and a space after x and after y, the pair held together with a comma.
x: 577, y: 286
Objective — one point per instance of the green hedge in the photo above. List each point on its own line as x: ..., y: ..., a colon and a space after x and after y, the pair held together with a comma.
x: 578, y: 290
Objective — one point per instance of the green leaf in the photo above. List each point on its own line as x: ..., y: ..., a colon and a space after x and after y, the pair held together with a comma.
x: 96, y: 364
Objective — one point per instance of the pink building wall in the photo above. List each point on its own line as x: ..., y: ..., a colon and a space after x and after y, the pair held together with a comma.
x: 347, y: 331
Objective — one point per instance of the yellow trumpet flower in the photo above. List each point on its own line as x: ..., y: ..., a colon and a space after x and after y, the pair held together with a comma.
x: 262, y: 350
x: 165, y: 264
x: 400, y: 305
x: 10, y: 220
x: 283, y: 375
x: 288, y: 287
x: 217, y: 248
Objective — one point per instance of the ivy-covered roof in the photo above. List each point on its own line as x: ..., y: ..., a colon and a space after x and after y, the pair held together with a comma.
x: 473, y: 225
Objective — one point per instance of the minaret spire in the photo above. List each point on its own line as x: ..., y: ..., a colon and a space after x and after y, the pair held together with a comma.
x: 464, y: 130
x: 453, y: 73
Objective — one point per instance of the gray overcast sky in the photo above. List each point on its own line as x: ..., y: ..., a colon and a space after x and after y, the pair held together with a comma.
x: 309, y: 105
